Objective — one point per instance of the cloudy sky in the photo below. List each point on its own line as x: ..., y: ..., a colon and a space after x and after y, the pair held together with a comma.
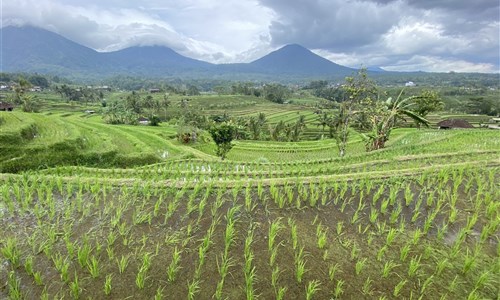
x: 427, y: 35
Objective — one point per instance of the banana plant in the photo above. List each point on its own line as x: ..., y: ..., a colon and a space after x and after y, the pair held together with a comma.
x: 383, y: 118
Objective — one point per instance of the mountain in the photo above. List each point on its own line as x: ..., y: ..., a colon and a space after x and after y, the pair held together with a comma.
x: 151, y: 56
x: 153, y: 61
x: 30, y: 49
x: 295, y: 59
x: 375, y: 69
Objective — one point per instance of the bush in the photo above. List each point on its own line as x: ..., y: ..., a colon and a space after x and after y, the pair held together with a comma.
x: 223, y: 134
x: 154, y: 120
x: 187, y: 134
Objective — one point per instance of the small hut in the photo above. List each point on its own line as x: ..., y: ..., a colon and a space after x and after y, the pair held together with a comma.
x: 494, y: 123
x: 143, y: 121
x: 5, y: 106
x: 454, y: 124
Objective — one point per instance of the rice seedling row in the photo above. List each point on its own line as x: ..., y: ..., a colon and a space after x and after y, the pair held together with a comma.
x: 393, y: 237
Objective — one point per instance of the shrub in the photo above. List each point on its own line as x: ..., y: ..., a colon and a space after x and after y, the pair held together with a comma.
x: 223, y: 134
x: 187, y: 134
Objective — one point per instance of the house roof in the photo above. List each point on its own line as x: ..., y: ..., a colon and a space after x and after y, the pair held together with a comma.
x: 4, y: 105
x: 454, y: 123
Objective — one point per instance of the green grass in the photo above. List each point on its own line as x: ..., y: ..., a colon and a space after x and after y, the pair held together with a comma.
x: 137, y: 214
x: 43, y: 140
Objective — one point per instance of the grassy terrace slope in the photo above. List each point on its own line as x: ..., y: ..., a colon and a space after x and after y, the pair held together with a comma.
x: 44, y: 140
x: 419, y: 219
x: 246, y: 106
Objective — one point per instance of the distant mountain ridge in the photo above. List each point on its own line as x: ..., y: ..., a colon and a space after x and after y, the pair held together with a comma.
x: 30, y: 49
x: 295, y: 59
x: 33, y: 49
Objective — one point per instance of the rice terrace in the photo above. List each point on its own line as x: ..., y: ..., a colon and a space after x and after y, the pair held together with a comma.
x: 95, y: 205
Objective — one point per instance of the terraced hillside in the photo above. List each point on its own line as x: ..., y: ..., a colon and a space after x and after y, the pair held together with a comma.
x: 247, y: 106
x: 44, y: 140
x: 128, y: 212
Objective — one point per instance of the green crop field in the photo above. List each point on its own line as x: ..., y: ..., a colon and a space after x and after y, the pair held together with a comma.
x: 90, y: 210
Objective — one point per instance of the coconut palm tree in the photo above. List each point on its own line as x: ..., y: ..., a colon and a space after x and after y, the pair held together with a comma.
x: 323, y: 120
x: 339, y: 127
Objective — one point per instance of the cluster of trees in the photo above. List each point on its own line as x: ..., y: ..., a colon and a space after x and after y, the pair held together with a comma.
x: 116, y: 112
x: 277, y: 93
x: 483, y: 106
x: 476, y: 80
x: 42, y: 81
x: 171, y: 86
x: 79, y: 94
x: 177, y: 86
x: 322, y: 89
x: 246, y: 88
x: 27, y: 101
x: 225, y: 130
x: 473, y: 98
x: 288, y: 132
x: 128, y: 110
x: 281, y: 131
x: 220, y: 127
x: 362, y: 109
x: 256, y: 126
x: 132, y: 83
x: 273, y: 92
x: 190, y: 126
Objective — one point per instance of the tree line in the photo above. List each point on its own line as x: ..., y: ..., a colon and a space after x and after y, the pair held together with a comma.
x: 363, y: 108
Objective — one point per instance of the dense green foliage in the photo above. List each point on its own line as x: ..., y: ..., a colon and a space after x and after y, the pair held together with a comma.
x: 223, y: 134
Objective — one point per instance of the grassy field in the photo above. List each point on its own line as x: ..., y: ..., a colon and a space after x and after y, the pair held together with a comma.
x: 96, y: 211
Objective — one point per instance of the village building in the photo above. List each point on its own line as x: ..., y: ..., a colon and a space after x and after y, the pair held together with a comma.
x: 103, y: 88
x: 143, y: 121
x: 5, y: 106
x: 494, y: 123
x: 454, y: 124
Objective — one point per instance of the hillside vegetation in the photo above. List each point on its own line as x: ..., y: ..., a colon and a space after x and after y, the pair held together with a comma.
x: 94, y: 210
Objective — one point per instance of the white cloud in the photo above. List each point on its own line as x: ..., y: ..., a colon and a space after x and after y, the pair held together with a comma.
x: 408, y: 34
x: 383, y: 32
x: 411, y: 63
x: 438, y: 64
x: 209, y: 30
x: 420, y: 37
x: 334, y: 25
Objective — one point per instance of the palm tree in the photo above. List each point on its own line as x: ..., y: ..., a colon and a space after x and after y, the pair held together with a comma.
x: 339, y: 127
x: 323, y: 121
x: 297, y: 129
x: 262, y: 119
x: 254, y: 127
